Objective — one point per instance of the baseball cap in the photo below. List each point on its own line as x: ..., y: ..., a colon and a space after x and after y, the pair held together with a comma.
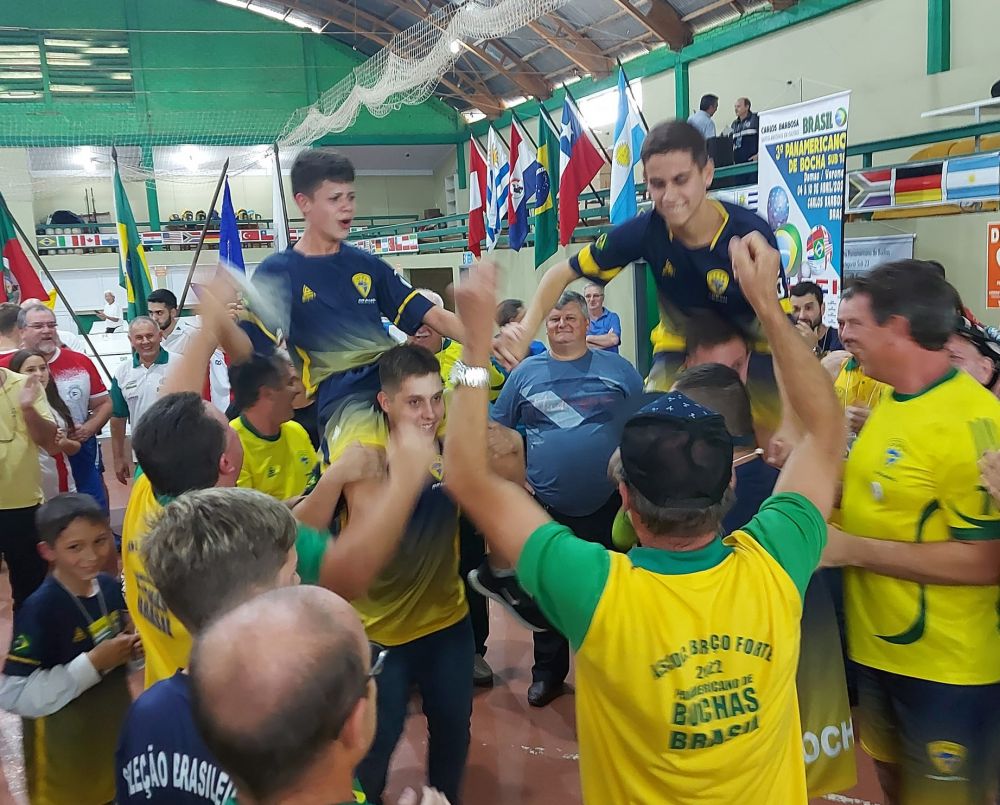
x: 978, y: 337
x: 677, y: 453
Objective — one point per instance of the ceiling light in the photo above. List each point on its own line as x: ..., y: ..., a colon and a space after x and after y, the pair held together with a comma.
x: 300, y: 20
x: 17, y: 75
x: 107, y: 51
x: 82, y: 88
x: 275, y: 13
x: 236, y: 3
x: 68, y: 43
x: 120, y: 76
x: 20, y: 94
x: 455, y: 46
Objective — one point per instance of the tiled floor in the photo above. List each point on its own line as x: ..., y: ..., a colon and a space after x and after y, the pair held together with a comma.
x: 519, y: 755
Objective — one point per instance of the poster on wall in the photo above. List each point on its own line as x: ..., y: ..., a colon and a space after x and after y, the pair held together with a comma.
x: 993, y: 265
x: 801, y: 174
x: 861, y: 255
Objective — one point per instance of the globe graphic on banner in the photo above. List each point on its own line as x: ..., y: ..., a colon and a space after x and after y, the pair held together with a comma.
x: 777, y: 207
x: 790, y: 247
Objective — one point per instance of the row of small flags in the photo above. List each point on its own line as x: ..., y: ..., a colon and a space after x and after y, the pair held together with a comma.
x: 955, y: 179
x: 548, y: 176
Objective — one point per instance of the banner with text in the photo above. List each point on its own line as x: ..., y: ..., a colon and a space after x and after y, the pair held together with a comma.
x: 861, y: 255
x: 801, y: 190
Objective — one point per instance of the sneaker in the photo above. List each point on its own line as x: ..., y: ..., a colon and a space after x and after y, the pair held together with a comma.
x: 508, y: 593
x: 482, y: 674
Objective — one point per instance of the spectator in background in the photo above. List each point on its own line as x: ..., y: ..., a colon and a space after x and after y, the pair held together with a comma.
x: 702, y: 119
x: 711, y: 339
x: 512, y: 310
x: 604, y: 331
x: 57, y: 477
x: 64, y: 338
x: 975, y: 352
x: 10, y: 341
x: 112, y: 313
x: 80, y: 386
x: 746, y: 131
x: 807, y: 314
x: 135, y: 387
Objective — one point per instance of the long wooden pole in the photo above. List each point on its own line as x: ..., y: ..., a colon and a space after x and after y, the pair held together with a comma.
x: 55, y: 285
x: 204, y: 232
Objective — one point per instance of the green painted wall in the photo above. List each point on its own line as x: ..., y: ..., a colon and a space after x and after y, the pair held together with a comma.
x: 235, y: 87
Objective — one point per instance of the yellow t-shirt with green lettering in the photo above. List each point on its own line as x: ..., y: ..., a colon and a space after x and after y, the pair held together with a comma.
x: 164, y: 638
x: 912, y: 476
x: 685, y: 661
x: 420, y: 591
x: 282, y: 466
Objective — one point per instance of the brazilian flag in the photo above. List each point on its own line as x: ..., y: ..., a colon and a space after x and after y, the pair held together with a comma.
x: 546, y: 208
x: 133, y: 271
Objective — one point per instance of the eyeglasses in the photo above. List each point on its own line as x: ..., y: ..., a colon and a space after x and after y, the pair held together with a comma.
x: 378, y: 655
x: 43, y: 325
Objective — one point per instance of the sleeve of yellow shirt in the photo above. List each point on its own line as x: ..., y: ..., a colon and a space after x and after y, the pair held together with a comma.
x: 969, y: 510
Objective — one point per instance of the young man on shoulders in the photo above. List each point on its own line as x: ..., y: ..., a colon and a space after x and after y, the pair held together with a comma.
x: 684, y: 238
x: 327, y: 297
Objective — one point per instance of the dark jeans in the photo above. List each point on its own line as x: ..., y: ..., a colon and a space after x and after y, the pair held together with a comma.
x: 472, y: 552
x: 551, y: 648
x: 19, y: 545
x: 440, y: 665
x: 86, y: 471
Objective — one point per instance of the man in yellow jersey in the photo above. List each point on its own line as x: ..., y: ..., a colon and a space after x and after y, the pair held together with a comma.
x: 686, y: 647
x: 921, y: 542
x: 278, y: 457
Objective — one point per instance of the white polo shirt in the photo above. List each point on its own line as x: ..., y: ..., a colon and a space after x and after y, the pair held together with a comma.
x: 135, y: 387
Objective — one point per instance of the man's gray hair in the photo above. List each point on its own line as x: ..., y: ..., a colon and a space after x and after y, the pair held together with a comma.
x: 212, y: 549
x: 143, y: 320
x: 573, y: 298
x: 22, y: 316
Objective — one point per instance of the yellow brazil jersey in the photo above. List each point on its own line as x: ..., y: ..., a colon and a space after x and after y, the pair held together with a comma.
x: 282, y: 466
x: 166, y: 642
x: 912, y: 476
x: 855, y: 388
x: 685, y: 661
x: 420, y: 591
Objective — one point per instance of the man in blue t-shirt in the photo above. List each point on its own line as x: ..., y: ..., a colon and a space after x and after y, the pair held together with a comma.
x: 572, y: 402
x: 685, y: 240
x: 327, y: 298
x: 605, y: 328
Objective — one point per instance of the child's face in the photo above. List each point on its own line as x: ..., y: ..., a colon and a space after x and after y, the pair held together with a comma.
x: 81, y: 550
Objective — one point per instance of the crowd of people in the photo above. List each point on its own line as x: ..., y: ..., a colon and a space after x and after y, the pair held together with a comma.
x: 783, y: 521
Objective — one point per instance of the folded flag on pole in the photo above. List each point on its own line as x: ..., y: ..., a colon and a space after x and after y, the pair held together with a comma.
x: 497, y: 187
x: 19, y: 280
x: 629, y: 136
x: 133, y: 271
x: 523, y: 184
x: 579, y: 161
x: 280, y: 223
x: 477, y: 198
x: 546, y: 190
x: 230, y: 249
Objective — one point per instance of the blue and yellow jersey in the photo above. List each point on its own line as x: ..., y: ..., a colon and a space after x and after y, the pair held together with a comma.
x: 451, y: 351
x: 420, y: 591
x: 283, y: 466
x: 330, y: 308
x: 913, y: 476
x: 69, y: 755
x: 686, y: 279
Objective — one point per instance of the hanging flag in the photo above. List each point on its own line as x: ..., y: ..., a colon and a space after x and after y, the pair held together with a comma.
x: 133, y: 271
x: 546, y: 190
x: 497, y: 187
x: 629, y: 136
x: 523, y: 184
x: 477, y: 198
x: 19, y: 280
x: 579, y: 161
x: 229, y: 233
x: 280, y: 222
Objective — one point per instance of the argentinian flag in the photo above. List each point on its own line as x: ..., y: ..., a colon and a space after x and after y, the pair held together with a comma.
x: 629, y: 136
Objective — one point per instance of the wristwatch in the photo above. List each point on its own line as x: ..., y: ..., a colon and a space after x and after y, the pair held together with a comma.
x: 477, y: 377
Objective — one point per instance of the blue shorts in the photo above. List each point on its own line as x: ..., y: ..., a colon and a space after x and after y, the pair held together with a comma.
x: 945, y: 739
x: 345, y: 390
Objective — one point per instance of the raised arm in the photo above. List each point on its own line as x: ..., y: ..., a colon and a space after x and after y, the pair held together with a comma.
x: 446, y: 323
x: 37, y: 416
x: 814, y: 465
x: 502, y: 510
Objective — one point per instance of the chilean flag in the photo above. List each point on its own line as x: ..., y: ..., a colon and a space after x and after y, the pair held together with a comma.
x: 579, y: 162
x: 523, y: 182
x: 477, y: 198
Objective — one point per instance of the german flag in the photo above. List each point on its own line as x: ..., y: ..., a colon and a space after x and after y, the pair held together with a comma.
x: 917, y: 184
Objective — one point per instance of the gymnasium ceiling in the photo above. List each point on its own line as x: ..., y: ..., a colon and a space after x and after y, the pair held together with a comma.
x: 583, y: 37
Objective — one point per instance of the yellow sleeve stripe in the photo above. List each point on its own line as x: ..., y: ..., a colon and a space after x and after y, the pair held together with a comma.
x: 306, y: 378
x: 402, y: 307
x: 589, y: 267
x: 255, y: 319
x: 25, y: 660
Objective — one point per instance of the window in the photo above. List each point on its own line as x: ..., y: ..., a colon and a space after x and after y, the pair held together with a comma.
x: 34, y: 66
